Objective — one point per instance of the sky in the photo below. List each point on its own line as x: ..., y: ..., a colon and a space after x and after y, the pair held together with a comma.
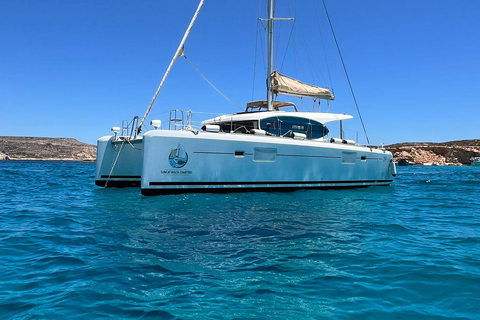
x: 75, y: 69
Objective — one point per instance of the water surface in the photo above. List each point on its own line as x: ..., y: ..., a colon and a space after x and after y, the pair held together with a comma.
x: 72, y: 250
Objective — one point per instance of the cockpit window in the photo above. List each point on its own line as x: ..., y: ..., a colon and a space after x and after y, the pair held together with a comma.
x: 280, y: 126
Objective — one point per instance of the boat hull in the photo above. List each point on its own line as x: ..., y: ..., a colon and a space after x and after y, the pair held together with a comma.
x: 220, y: 162
x: 119, y: 163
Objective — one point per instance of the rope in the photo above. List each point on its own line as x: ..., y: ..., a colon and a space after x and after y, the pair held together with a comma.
x: 204, y: 78
x: 114, y: 164
x: 323, y: 44
x: 345, y: 69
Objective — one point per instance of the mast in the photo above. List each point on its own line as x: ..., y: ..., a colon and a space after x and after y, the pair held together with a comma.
x: 270, y: 20
x: 270, y: 55
x: 178, y: 53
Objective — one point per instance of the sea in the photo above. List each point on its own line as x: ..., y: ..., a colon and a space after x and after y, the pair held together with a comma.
x: 72, y: 250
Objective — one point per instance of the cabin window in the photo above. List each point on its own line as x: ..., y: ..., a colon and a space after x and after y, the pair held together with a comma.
x: 243, y: 126
x: 264, y: 154
x: 349, y: 157
x: 284, y: 126
x: 239, y: 154
x: 363, y: 158
x: 238, y: 127
x: 225, y: 127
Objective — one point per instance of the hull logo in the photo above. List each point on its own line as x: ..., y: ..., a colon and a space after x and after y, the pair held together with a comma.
x: 178, y: 157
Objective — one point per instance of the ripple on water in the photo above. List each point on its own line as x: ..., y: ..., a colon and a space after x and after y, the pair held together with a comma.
x: 72, y: 250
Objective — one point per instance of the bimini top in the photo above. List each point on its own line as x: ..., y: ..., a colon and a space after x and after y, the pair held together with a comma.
x: 262, y: 104
x: 321, y: 117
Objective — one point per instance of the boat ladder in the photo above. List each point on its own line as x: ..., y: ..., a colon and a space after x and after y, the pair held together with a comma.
x: 177, y: 120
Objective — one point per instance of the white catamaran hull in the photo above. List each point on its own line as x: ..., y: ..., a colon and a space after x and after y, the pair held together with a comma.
x: 212, y: 162
x: 119, y: 162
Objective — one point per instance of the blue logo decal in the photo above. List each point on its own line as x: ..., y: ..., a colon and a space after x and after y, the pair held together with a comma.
x: 178, y: 157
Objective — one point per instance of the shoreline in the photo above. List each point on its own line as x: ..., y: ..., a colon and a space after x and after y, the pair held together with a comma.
x: 451, y: 153
x: 45, y: 149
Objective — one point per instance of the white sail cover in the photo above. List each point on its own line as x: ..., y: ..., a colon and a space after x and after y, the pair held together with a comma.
x: 284, y: 85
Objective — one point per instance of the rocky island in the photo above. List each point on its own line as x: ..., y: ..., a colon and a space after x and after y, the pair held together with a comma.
x: 34, y: 148
x: 428, y: 153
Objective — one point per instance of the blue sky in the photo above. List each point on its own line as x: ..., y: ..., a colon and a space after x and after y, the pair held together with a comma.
x: 76, y: 68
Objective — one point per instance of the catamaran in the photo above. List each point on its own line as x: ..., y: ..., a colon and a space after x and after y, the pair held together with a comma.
x: 264, y: 148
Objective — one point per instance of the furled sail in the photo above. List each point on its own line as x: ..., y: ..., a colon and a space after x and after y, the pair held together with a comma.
x: 284, y: 85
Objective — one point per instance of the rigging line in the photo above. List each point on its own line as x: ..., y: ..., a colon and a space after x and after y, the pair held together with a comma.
x: 346, y: 74
x: 323, y: 44
x: 313, y: 70
x: 295, y: 57
x: 291, y: 32
x: 159, y: 113
x: 288, y: 44
x: 113, y: 166
x: 178, y: 53
x: 256, y: 49
x: 276, y: 41
x: 255, y: 61
x: 204, y: 78
x: 261, y: 24
x: 212, y: 113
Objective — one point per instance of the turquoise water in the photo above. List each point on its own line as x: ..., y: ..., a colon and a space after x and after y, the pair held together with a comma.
x: 69, y: 251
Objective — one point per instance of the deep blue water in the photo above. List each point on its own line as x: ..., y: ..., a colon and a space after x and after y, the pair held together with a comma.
x: 69, y: 251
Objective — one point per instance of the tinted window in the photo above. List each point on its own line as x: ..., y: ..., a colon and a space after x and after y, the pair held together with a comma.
x: 280, y: 126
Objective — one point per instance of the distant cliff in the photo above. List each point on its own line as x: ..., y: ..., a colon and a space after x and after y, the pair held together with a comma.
x: 33, y: 148
x: 445, y: 153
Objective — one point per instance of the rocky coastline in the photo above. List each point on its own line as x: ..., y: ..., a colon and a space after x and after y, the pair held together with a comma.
x: 67, y: 149
x: 455, y: 153
x: 47, y: 149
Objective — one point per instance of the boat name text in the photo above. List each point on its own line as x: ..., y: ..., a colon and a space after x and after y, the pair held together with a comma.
x: 176, y: 172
